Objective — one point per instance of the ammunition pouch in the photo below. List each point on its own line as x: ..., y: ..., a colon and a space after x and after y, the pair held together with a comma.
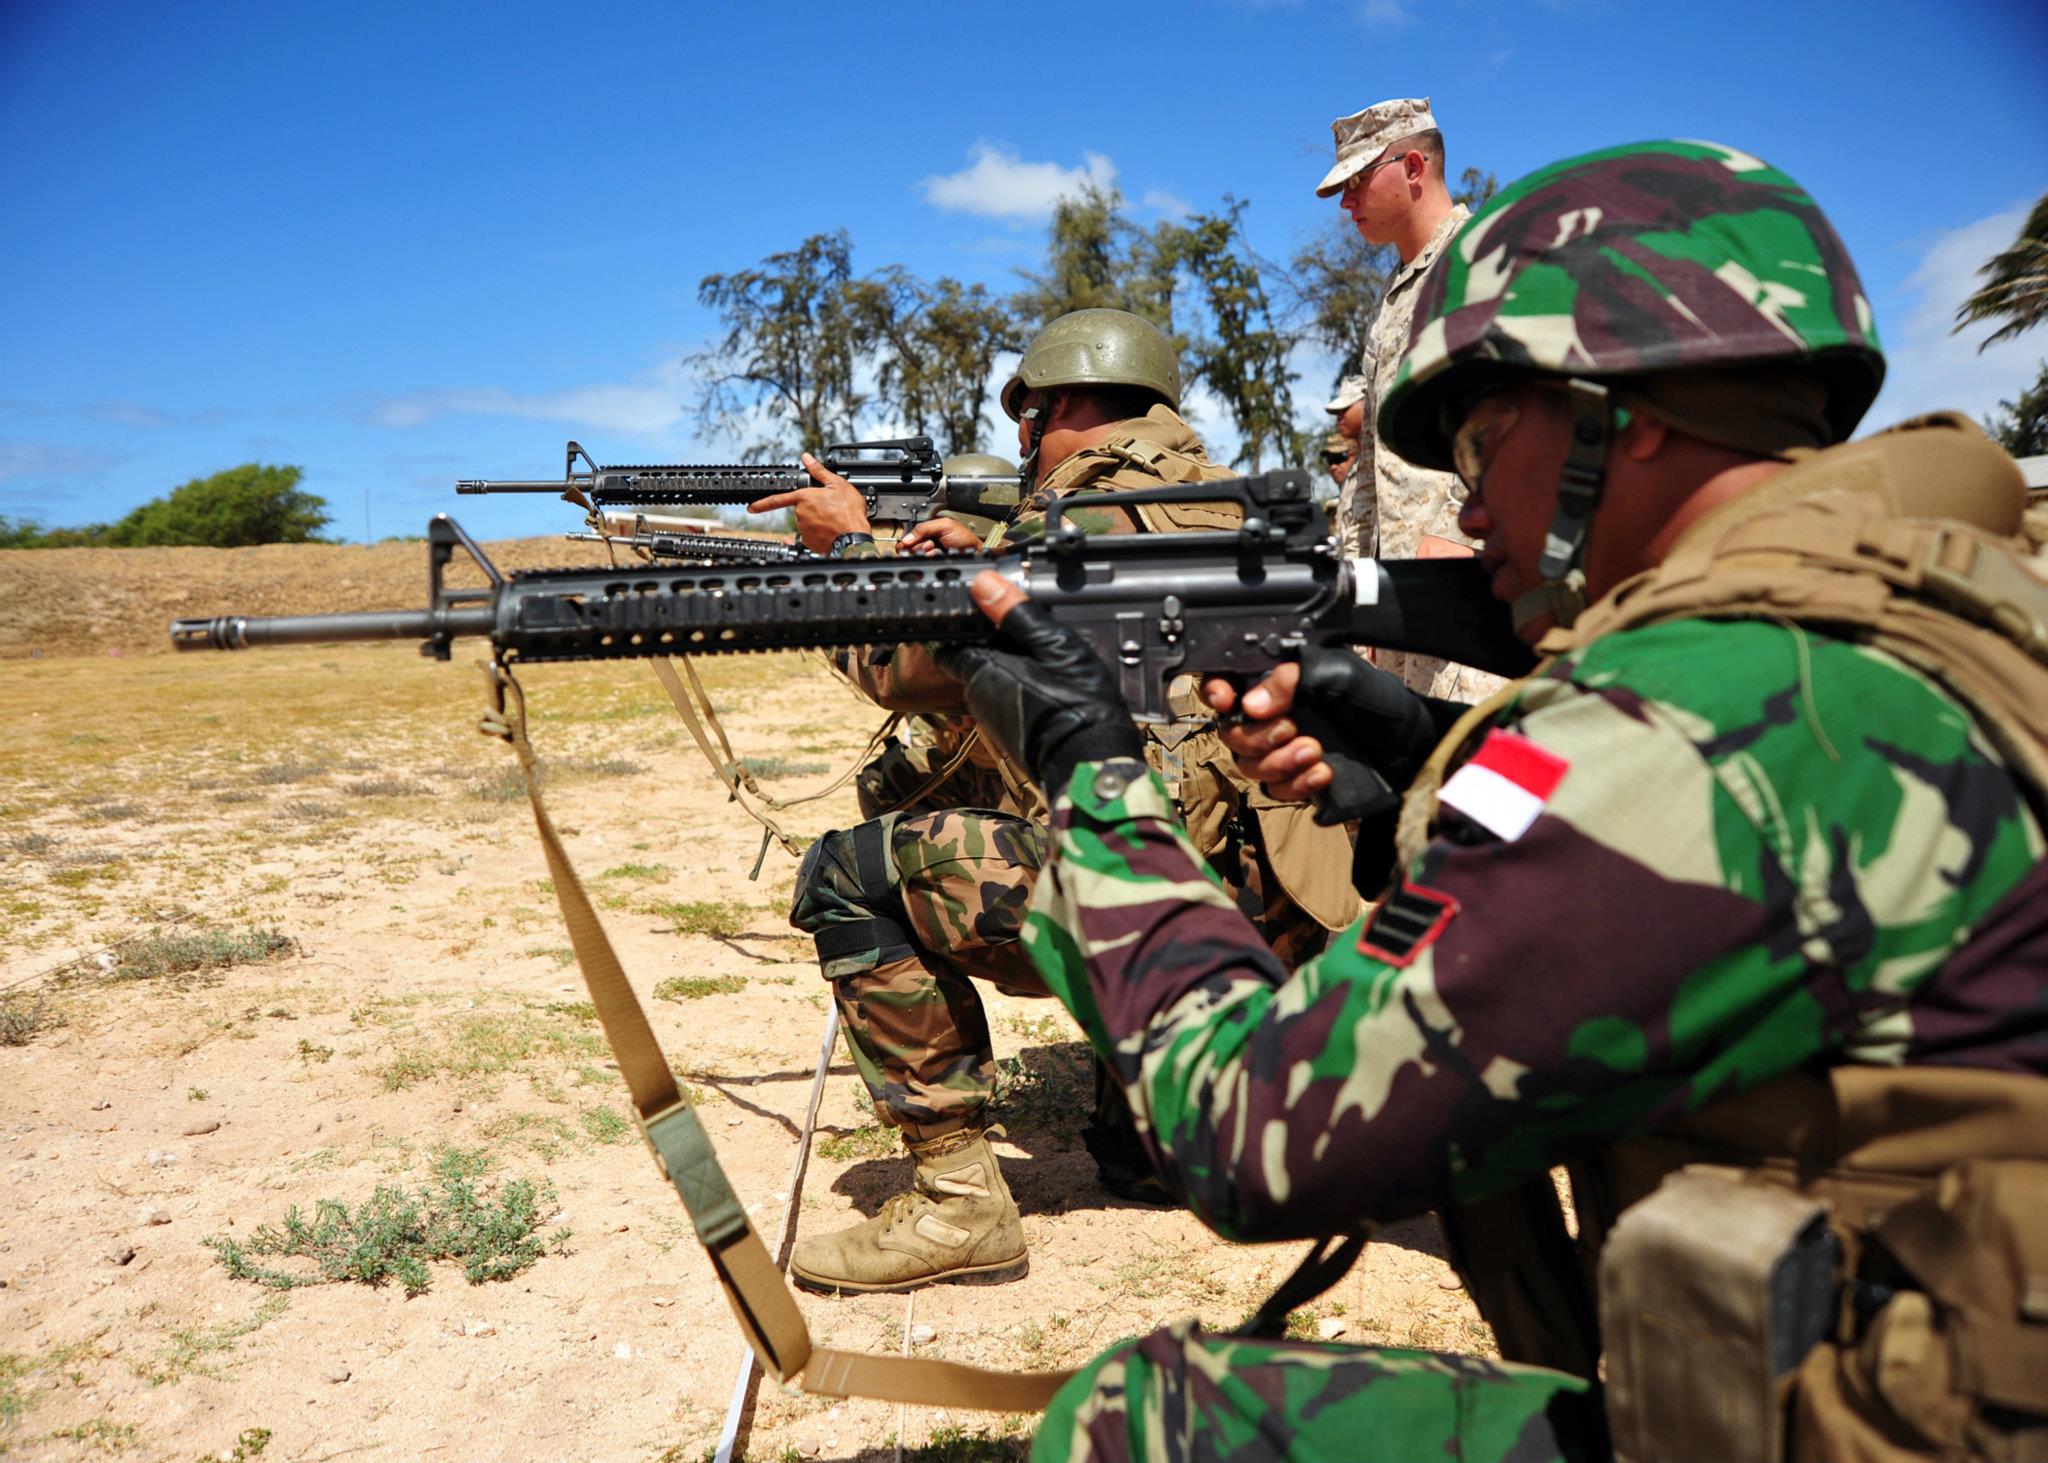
x: 1849, y: 1266
x: 1712, y: 1292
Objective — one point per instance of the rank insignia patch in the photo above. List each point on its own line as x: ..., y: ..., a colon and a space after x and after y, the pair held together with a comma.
x: 1506, y: 783
x: 1407, y: 924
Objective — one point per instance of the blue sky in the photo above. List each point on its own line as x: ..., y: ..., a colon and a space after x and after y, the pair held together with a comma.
x: 399, y: 244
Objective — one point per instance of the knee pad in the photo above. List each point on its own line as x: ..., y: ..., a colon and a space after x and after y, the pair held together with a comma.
x: 848, y: 899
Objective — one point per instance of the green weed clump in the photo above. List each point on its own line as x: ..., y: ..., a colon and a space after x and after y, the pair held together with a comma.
x: 26, y: 1015
x: 493, y: 1230
x: 15, y: 1399
x: 949, y: 1443
x: 184, y: 953
x: 386, y: 787
x: 696, y: 987
x: 773, y: 767
x: 698, y: 917
x: 482, y: 1045
x: 868, y: 1141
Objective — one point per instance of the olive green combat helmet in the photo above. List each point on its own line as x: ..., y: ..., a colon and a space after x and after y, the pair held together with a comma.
x: 1089, y: 348
x: 1096, y: 348
x: 979, y: 465
x: 1003, y: 498
x: 1625, y: 271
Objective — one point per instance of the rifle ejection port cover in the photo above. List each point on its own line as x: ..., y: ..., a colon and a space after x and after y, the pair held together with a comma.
x: 1365, y: 582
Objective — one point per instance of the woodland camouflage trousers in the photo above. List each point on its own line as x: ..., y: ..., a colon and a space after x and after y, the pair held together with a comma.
x: 900, y: 779
x: 957, y: 885
x: 1179, y: 1394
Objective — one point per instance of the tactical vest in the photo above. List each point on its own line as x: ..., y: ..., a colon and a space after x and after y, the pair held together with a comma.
x: 1901, y: 1212
x: 1311, y: 863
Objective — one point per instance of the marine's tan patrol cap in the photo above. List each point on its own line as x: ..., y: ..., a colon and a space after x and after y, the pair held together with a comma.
x: 1350, y: 392
x: 1363, y: 136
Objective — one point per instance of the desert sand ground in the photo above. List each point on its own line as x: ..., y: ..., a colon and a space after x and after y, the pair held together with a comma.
x: 396, y: 995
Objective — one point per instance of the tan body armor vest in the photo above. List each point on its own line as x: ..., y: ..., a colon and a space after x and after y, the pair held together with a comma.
x: 1928, y: 1186
x: 1312, y: 863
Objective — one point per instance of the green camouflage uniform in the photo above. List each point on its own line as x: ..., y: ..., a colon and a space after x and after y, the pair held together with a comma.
x: 963, y: 876
x: 1729, y: 850
x: 1707, y: 900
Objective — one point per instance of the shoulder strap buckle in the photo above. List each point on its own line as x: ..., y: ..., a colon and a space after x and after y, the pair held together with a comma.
x: 1975, y: 578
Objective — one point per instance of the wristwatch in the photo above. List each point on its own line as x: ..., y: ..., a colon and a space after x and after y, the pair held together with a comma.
x: 846, y: 541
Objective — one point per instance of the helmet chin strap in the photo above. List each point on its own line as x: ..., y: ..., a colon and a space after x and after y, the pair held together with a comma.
x: 1027, y: 470
x: 1562, y: 594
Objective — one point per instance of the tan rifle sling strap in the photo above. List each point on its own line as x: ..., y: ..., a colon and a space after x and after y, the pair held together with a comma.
x: 700, y: 717
x: 759, y: 1295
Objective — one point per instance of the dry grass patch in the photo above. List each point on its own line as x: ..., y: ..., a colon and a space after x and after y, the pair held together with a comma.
x: 696, y: 987
x: 26, y: 1015
x: 481, y: 1046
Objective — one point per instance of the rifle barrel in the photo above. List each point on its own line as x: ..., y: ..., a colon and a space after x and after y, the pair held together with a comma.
x: 509, y: 485
x: 239, y: 632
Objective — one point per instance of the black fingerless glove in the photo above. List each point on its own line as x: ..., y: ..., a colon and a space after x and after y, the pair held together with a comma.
x: 1044, y: 696
x: 1376, y: 733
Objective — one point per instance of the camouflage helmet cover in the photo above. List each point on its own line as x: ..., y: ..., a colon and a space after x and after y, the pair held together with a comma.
x: 1657, y: 256
x: 1096, y: 348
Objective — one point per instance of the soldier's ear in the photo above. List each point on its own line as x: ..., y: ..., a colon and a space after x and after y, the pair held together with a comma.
x: 1643, y: 437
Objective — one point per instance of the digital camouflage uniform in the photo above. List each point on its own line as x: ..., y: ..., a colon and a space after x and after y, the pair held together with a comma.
x: 1388, y: 503
x: 916, y: 1027
x: 1742, y: 849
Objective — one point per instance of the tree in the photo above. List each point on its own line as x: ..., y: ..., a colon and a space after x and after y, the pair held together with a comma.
x: 1096, y: 259
x: 250, y: 504
x: 794, y: 337
x: 935, y: 349
x: 1238, y: 352
x: 2015, y: 287
x: 2021, y: 427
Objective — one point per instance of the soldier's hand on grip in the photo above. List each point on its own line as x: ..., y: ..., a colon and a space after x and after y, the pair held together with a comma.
x: 1333, y: 728
x: 938, y: 535
x: 1040, y: 693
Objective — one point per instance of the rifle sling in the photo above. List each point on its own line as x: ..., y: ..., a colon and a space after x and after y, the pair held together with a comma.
x: 760, y: 1297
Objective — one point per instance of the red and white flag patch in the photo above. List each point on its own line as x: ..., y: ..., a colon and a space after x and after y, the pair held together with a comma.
x: 1505, y: 784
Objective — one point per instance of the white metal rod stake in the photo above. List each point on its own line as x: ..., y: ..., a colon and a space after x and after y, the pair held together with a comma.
x: 743, y: 1384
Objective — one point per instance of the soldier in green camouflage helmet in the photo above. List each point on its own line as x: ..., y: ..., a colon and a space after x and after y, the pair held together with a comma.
x: 910, y: 910
x: 1748, y: 873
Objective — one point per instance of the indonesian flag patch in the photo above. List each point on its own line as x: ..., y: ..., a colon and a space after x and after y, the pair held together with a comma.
x: 1505, y: 784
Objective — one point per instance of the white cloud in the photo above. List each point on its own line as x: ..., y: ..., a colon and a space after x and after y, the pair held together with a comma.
x: 999, y: 184
x: 1388, y: 14
x: 1172, y: 205
x: 651, y: 407
x: 1932, y: 367
x: 51, y: 460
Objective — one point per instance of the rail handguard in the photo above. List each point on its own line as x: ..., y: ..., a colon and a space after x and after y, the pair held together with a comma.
x: 1153, y: 606
x: 903, y: 480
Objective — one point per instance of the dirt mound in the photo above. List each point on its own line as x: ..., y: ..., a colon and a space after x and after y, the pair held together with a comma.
x: 119, y: 601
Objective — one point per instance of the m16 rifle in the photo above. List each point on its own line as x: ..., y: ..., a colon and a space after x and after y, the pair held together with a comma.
x: 702, y: 547
x: 903, y: 480
x: 1154, y: 606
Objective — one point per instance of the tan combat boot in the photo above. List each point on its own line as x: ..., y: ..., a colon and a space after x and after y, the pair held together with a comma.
x: 959, y: 1223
